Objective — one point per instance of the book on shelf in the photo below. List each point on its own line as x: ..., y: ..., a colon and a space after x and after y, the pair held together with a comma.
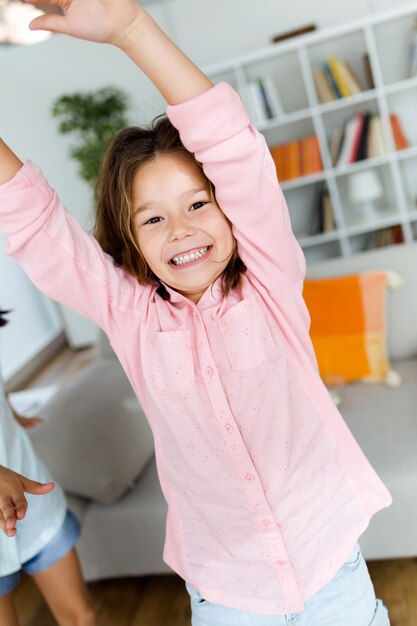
x: 310, y: 155
x: 263, y: 100
x: 357, y: 134
x: 267, y: 108
x: 362, y: 137
x: 354, y: 84
x: 255, y: 103
x: 273, y: 96
x: 338, y: 74
x: 336, y: 142
x: 388, y: 236
x: 400, y: 139
x: 329, y: 223
x: 300, y: 157
x: 368, y: 71
x: 350, y: 132
x: 323, y: 217
x: 324, y: 91
x: 335, y: 79
x: 376, y: 144
x: 292, y: 154
x: 361, y: 153
x: 316, y: 223
x: 331, y: 80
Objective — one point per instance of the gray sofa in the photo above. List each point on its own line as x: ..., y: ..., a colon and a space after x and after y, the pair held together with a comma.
x: 123, y: 533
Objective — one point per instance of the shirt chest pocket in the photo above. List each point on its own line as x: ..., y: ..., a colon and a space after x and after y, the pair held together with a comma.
x: 173, y: 368
x: 246, y: 335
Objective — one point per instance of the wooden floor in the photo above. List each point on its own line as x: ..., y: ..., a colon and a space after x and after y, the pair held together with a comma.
x: 163, y: 600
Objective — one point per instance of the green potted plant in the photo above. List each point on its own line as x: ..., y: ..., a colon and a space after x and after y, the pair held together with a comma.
x: 94, y: 117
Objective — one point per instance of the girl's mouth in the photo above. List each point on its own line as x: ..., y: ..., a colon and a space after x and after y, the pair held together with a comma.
x: 187, y: 260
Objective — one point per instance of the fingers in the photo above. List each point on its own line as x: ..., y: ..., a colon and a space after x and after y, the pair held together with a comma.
x: 7, y: 519
x: 36, y: 489
x: 20, y: 506
x: 52, y: 23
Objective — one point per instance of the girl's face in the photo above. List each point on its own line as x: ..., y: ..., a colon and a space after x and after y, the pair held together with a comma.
x: 182, y: 233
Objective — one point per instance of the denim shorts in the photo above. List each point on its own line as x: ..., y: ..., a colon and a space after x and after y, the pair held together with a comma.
x: 64, y: 540
x: 348, y: 599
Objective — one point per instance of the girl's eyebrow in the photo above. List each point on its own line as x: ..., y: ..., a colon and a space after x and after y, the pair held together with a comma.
x: 189, y: 192
x: 139, y: 209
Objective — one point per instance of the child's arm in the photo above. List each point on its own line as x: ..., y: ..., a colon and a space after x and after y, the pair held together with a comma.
x: 61, y: 258
x: 213, y: 125
x: 13, y: 504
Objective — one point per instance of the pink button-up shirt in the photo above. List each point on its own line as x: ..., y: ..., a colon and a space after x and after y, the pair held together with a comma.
x: 267, y: 490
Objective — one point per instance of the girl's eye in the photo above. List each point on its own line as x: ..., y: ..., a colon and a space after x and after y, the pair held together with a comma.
x: 152, y: 220
x: 198, y: 205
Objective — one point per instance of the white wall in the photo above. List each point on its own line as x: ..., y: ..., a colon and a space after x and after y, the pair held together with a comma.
x: 208, y: 31
x: 33, y: 323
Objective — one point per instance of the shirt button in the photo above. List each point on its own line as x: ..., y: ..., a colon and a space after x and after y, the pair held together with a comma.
x: 265, y: 523
x: 209, y: 371
x: 249, y: 478
x: 281, y: 562
x: 228, y: 428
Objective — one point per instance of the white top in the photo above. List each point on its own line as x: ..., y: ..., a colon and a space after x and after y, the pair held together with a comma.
x: 45, y: 514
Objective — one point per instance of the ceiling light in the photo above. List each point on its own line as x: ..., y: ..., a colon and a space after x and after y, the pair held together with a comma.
x: 15, y: 16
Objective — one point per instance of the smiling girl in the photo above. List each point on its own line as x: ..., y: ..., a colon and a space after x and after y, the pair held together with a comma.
x: 197, y: 279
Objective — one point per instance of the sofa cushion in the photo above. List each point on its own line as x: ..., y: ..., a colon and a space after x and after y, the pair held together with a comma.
x: 140, y: 518
x: 95, y: 439
x: 384, y: 423
x: 348, y: 327
x: 402, y: 303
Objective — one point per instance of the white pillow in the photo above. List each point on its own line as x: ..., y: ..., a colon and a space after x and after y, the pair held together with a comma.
x: 95, y: 440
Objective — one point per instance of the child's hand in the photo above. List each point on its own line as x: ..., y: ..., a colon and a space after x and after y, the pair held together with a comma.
x: 13, y: 504
x: 102, y: 21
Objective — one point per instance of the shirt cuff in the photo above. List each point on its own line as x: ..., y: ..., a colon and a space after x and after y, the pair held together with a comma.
x: 210, y: 118
x: 23, y: 198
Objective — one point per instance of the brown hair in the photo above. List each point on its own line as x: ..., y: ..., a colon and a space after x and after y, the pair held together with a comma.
x: 114, y: 227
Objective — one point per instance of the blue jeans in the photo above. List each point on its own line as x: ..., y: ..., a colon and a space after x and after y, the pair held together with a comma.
x: 64, y: 540
x: 346, y: 600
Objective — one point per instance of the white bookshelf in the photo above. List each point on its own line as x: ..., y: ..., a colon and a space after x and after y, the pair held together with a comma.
x: 385, y: 37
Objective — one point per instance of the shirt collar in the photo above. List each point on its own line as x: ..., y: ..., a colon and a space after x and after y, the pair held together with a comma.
x: 211, y: 296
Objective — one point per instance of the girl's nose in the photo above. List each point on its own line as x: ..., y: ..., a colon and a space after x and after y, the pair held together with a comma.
x: 180, y: 227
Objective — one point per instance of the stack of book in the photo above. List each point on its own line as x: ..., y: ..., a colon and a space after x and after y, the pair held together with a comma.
x: 385, y: 237
x: 336, y: 79
x: 323, y: 220
x: 300, y: 157
x: 362, y: 137
x: 263, y: 100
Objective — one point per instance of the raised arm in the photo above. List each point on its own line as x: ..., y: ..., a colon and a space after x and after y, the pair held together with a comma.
x: 125, y: 24
x: 212, y: 124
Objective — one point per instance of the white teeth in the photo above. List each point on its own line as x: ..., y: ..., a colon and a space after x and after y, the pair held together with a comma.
x: 180, y: 260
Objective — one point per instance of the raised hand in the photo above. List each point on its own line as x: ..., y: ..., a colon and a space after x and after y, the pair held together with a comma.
x: 102, y: 21
x: 13, y: 504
